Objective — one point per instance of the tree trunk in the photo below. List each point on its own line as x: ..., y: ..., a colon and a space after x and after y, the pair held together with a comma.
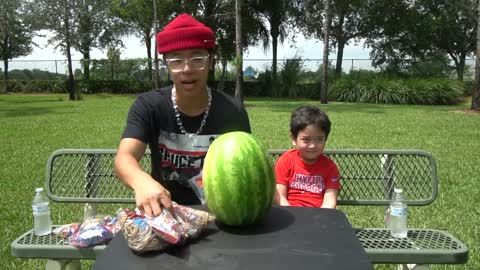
x: 209, y: 18
x: 459, y: 64
x: 324, y: 82
x: 338, y: 67
x: 86, y: 66
x: 276, y: 90
x: 476, y: 87
x: 155, y: 23
x: 70, y: 83
x: 461, y: 67
x: 340, y: 44
x: 148, y: 44
x: 211, y: 71
x: 239, y: 50
x: 221, y: 83
x: 111, y: 70
x: 5, y: 75
x: 86, y: 70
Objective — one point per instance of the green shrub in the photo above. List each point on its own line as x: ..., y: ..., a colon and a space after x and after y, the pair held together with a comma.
x: 266, y: 82
x: 115, y: 86
x: 468, y: 90
x: 435, y: 91
x: 387, y: 91
x: 362, y: 74
x: 250, y: 88
x: 309, y: 90
x: 290, y: 76
x: 35, y: 86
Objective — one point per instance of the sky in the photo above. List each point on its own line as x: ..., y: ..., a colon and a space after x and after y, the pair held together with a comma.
x: 43, y: 57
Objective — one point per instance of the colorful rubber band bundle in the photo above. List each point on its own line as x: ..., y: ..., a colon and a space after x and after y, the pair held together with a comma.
x: 145, y: 233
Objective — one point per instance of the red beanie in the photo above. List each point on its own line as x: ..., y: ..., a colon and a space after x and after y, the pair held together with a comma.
x: 184, y: 32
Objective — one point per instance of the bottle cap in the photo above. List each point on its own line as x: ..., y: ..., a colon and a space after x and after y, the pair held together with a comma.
x: 397, y: 190
x: 40, y: 189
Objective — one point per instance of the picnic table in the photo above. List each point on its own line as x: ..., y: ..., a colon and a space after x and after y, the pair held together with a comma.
x: 286, y: 238
x: 368, y: 178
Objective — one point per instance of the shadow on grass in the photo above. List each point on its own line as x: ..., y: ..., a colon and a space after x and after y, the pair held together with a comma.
x: 32, y: 105
x: 288, y: 106
x: 30, y: 111
x: 30, y: 99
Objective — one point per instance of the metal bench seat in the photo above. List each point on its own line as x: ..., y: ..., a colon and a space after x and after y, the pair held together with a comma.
x: 50, y: 246
x: 422, y: 246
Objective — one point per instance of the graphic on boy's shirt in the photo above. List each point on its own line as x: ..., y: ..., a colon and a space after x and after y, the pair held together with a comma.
x: 182, y: 156
x: 310, y: 183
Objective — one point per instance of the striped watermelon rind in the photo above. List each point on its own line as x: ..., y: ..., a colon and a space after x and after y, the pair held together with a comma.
x: 238, y: 179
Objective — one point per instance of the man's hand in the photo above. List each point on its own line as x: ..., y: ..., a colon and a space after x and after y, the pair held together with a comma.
x: 151, y: 197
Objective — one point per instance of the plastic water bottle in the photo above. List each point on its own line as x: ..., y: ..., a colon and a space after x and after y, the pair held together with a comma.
x: 398, y: 215
x: 387, y: 217
x: 42, y: 224
x: 89, y: 210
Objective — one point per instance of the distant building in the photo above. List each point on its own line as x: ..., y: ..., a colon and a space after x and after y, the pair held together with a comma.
x: 250, y: 73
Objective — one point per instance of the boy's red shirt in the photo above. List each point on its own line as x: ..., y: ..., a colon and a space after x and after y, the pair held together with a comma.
x: 306, y: 183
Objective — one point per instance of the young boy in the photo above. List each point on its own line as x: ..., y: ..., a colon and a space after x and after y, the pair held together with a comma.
x: 305, y: 177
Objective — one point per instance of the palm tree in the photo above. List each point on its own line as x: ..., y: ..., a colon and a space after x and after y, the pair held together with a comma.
x: 324, y: 82
x: 476, y: 89
x: 239, y: 50
x: 275, y: 13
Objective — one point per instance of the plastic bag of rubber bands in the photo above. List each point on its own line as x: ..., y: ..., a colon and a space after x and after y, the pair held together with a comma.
x: 92, y: 231
x: 145, y: 233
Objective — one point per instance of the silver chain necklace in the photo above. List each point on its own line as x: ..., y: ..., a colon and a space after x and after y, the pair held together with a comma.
x: 177, y: 112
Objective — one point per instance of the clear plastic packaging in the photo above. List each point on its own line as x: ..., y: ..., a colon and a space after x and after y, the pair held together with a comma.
x: 94, y: 231
x: 145, y: 233
x: 197, y: 186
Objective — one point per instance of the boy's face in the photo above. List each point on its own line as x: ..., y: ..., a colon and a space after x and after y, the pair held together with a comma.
x: 190, y: 78
x: 310, y: 143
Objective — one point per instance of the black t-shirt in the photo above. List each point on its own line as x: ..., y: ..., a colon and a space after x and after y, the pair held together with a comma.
x: 178, y: 158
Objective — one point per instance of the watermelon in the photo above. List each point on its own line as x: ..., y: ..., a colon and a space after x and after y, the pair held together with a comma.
x: 238, y: 179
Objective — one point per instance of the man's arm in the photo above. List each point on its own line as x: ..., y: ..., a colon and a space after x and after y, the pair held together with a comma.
x: 150, y: 196
x: 330, y: 198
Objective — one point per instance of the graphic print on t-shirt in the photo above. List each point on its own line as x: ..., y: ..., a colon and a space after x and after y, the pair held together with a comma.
x: 310, y: 183
x: 182, y: 156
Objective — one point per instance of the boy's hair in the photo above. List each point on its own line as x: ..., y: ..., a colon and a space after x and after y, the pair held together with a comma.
x: 309, y: 115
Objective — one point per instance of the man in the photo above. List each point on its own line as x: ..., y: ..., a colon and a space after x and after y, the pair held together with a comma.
x: 178, y: 122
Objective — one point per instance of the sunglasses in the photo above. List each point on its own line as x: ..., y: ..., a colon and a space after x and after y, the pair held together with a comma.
x: 195, y: 63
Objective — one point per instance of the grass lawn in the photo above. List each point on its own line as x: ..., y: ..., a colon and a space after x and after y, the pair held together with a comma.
x: 33, y: 126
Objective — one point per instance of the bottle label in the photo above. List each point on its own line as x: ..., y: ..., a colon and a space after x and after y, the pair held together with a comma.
x: 398, y: 211
x: 40, y: 208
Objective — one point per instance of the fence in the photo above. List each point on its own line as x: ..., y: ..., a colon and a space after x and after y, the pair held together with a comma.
x: 138, y: 68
